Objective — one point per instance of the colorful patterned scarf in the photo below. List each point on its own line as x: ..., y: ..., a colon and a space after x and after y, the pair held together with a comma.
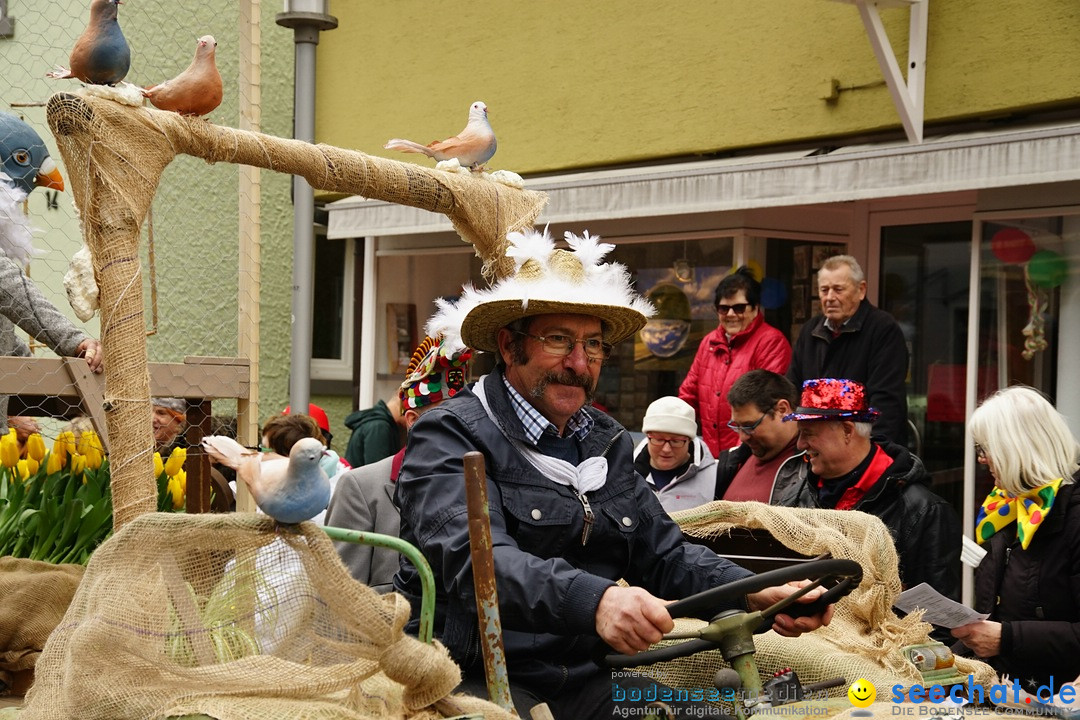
x: 999, y: 509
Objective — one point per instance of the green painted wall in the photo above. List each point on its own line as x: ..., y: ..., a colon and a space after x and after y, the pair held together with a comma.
x: 572, y: 84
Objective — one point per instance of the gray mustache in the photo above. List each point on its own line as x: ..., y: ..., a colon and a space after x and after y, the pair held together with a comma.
x: 566, y: 377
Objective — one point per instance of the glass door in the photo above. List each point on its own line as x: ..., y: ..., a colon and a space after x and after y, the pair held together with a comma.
x: 925, y: 280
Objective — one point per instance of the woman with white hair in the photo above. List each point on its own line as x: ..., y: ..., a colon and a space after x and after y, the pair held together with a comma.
x: 1029, y: 581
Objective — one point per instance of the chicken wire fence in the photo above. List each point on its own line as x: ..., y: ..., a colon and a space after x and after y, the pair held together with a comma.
x: 190, y: 243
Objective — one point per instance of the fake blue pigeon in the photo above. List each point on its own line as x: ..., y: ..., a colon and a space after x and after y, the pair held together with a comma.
x: 101, y: 55
x: 24, y: 157
x: 24, y: 165
x: 289, y: 489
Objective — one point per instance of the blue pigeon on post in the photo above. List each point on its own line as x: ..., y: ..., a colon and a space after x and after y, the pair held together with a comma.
x: 289, y: 489
x: 24, y: 158
x: 24, y: 165
x: 101, y: 55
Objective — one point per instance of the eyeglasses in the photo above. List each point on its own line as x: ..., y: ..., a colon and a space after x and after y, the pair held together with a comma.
x: 980, y: 452
x: 563, y: 345
x: 675, y: 443
x: 749, y: 429
x: 738, y: 308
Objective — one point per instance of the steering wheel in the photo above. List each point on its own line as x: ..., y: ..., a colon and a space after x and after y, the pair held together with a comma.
x: 732, y: 631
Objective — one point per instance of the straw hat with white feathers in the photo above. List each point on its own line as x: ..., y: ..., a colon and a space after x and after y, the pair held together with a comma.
x: 547, y: 280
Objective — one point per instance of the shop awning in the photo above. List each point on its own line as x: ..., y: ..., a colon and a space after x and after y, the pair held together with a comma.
x: 860, y: 172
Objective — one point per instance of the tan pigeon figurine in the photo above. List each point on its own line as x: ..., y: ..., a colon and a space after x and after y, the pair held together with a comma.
x: 197, y: 90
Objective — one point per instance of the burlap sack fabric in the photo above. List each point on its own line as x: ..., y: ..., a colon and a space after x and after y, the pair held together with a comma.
x: 865, y: 637
x: 223, y: 615
x: 37, y: 596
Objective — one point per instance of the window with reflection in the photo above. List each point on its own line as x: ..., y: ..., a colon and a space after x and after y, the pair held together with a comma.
x: 925, y: 279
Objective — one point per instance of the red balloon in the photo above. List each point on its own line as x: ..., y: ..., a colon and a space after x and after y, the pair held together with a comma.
x: 1012, y: 246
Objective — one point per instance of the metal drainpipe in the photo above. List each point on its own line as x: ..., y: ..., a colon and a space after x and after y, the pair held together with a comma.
x: 307, y: 18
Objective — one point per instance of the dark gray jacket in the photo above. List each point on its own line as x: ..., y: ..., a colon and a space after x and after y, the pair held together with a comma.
x: 549, y: 583
x: 870, y: 349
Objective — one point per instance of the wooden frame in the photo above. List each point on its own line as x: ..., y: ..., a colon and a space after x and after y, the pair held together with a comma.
x: 41, y: 383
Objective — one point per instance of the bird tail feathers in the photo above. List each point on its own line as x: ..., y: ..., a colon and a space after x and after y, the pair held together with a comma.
x: 408, y: 146
x: 225, y: 450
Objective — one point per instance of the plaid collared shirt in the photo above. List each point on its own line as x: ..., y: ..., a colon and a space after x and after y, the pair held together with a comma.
x: 536, y: 424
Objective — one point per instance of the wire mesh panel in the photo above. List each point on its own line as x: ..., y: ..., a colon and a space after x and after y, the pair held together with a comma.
x: 202, y: 219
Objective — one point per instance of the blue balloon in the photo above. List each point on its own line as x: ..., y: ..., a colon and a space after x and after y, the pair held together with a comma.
x: 773, y: 293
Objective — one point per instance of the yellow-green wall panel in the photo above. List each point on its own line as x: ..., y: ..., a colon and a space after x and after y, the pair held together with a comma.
x: 572, y: 84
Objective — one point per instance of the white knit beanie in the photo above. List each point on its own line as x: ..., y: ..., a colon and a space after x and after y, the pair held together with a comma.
x: 670, y: 415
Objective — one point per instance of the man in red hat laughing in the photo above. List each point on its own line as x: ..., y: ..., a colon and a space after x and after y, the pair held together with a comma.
x: 845, y: 470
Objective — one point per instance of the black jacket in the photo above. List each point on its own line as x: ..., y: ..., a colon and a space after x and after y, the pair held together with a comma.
x: 1035, y: 595
x: 870, y: 349
x: 924, y: 527
x: 549, y: 583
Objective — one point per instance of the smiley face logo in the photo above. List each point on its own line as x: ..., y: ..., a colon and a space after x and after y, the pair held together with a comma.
x: 862, y: 693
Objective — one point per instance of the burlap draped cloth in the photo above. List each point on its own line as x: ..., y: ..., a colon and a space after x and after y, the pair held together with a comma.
x: 865, y: 637
x: 115, y: 155
x: 223, y: 615
x: 35, y: 595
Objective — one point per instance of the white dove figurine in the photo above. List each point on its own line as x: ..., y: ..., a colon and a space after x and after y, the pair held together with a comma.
x: 472, y: 147
x: 289, y: 489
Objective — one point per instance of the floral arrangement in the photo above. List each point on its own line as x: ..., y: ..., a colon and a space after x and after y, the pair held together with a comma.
x: 56, y: 505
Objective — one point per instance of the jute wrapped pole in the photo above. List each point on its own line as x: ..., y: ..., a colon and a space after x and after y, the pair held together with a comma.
x: 115, y: 155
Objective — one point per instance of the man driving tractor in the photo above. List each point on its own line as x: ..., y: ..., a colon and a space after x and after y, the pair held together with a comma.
x: 569, y: 515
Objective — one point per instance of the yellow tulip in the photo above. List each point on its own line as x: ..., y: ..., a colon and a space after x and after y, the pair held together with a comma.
x: 35, y: 447
x: 78, y: 464
x: 9, y: 449
x: 64, y: 446
x: 159, y: 466
x: 176, y: 489
x: 95, y: 454
x: 55, y: 463
x: 86, y: 442
x: 175, y: 463
x: 32, y: 465
x: 24, y: 469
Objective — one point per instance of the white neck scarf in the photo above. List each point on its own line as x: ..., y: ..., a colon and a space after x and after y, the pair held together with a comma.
x: 590, y: 475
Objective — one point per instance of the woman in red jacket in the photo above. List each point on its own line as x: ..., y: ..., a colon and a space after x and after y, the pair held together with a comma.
x: 743, y: 341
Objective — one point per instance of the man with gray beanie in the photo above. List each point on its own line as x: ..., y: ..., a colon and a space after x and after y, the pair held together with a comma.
x: 675, y: 462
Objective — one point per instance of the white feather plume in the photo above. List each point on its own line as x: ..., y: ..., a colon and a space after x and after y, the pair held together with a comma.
x: 16, y: 233
x: 529, y: 245
x: 588, y: 248
x: 448, y: 319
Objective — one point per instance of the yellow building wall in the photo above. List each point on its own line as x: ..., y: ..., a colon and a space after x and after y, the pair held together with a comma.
x: 573, y: 84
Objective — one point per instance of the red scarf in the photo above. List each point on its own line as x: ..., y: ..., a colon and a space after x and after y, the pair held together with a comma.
x: 878, y: 465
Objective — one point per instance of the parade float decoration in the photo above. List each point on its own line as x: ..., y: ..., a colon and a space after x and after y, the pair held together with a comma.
x: 245, y: 618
